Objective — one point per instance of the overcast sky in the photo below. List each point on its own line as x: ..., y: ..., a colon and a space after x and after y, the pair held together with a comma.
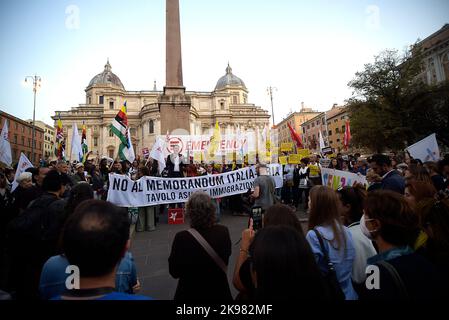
x: 308, y: 50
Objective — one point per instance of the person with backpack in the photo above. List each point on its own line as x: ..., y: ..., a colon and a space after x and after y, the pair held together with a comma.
x: 29, y: 239
x: 331, y: 242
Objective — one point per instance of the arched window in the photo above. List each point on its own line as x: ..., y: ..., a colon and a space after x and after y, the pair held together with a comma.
x: 111, y: 134
x: 151, y: 126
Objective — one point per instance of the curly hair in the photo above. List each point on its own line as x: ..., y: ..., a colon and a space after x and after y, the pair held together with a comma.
x: 201, y: 210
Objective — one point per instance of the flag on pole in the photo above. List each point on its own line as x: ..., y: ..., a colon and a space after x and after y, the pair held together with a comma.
x: 126, y: 151
x: 322, y: 145
x: 76, y: 148
x: 5, y: 146
x: 60, y: 143
x: 157, y: 153
x: 347, y: 138
x: 24, y: 164
x: 84, y: 146
x: 119, y: 125
x: 214, y: 141
x: 295, y: 137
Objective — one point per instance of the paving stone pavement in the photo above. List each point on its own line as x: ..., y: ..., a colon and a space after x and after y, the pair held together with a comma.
x: 152, y: 249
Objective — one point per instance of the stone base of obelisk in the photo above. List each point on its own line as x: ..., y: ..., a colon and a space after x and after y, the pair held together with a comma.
x: 174, y: 108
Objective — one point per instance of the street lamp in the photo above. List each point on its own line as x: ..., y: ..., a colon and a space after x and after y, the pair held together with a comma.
x: 36, y: 84
x: 270, y: 93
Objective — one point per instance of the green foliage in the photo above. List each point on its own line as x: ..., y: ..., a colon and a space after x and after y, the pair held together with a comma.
x: 392, y: 107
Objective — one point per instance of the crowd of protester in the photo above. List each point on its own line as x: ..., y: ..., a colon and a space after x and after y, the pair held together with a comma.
x: 57, y: 217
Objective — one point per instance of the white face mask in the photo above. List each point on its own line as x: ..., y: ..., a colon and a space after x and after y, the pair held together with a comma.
x: 364, y: 228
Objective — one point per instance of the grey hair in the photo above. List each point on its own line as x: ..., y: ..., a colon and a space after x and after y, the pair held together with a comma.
x: 200, y: 208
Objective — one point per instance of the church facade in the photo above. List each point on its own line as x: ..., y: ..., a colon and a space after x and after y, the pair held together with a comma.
x: 105, y: 94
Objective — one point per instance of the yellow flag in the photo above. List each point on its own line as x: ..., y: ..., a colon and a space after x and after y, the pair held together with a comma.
x: 215, y: 140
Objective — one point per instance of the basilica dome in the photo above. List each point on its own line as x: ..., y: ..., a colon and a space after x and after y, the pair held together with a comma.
x: 229, y: 79
x: 106, y: 78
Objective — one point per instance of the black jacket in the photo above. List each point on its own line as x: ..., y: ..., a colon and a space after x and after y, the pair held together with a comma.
x: 32, y: 239
x: 200, y: 278
x: 171, y: 167
x: 421, y: 278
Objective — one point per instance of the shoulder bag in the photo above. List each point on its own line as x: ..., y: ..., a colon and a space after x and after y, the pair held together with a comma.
x: 212, y: 253
x: 331, y: 276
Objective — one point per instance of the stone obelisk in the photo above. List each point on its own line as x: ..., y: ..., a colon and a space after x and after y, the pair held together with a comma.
x: 174, y: 105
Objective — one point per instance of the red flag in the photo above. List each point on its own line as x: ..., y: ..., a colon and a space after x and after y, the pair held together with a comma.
x: 347, y: 138
x: 295, y: 137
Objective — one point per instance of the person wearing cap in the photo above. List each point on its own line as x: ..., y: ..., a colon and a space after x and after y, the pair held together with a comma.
x: 79, y: 175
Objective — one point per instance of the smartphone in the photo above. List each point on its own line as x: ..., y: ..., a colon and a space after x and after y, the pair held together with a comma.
x: 257, y: 216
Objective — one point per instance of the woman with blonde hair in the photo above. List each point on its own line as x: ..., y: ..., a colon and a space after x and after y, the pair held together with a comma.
x: 331, y: 241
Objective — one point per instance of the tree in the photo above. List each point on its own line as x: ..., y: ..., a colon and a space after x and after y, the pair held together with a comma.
x: 393, y: 107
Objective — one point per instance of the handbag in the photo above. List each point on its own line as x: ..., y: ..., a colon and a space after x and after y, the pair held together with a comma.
x: 206, y: 246
x: 330, y: 278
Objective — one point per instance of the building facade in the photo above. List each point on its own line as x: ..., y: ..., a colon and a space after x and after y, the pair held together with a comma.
x: 105, y: 94
x: 336, y: 125
x: 295, y: 119
x: 49, y: 138
x: 436, y: 56
x: 332, y: 124
x: 21, y: 138
x: 311, y: 132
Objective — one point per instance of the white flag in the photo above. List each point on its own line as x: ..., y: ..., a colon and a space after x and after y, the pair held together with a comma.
x: 157, y: 153
x: 426, y: 149
x: 24, y: 164
x: 322, y: 145
x: 76, y: 149
x: 127, y: 152
x: 241, y: 138
x: 5, y: 147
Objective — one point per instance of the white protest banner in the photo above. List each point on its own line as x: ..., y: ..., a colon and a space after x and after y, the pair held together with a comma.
x: 24, y: 164
x: 426, y: 149
x: 275, y: 170
x: 148, y: 191
x: 339, y: 179
x: 200, y: 143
